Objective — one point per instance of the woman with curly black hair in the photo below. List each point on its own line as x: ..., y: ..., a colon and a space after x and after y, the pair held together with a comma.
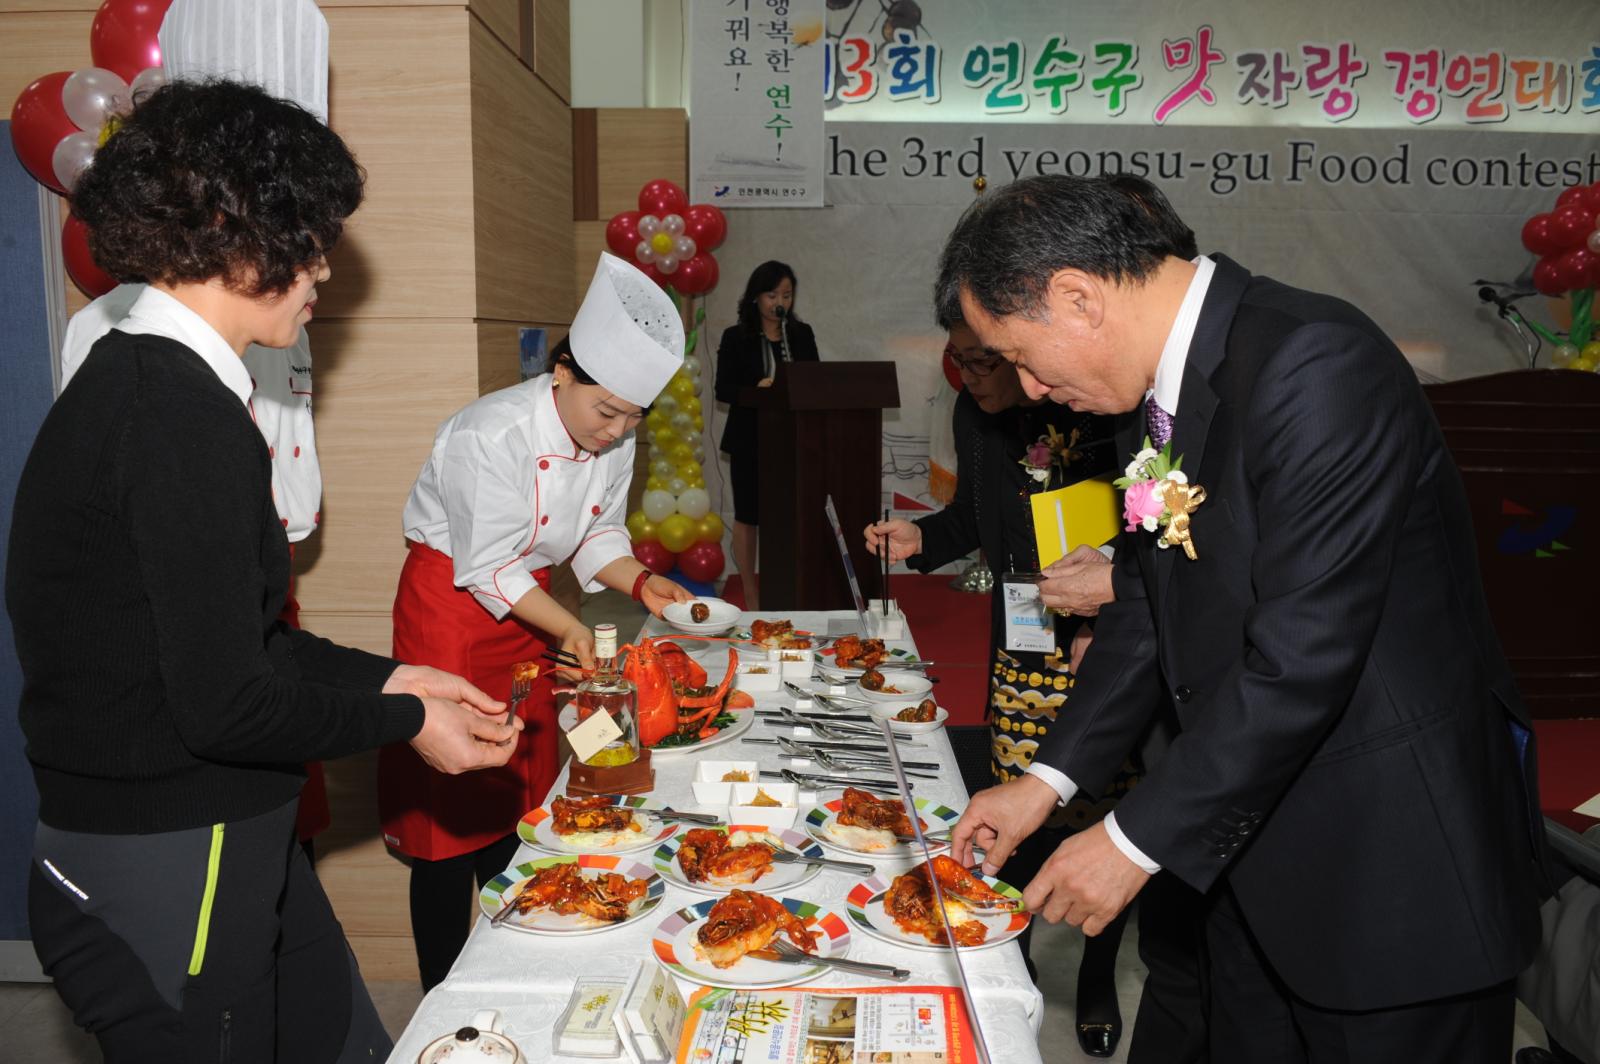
x: 167, y: 712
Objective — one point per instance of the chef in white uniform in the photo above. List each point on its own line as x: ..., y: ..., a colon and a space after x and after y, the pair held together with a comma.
x: 519, y: 481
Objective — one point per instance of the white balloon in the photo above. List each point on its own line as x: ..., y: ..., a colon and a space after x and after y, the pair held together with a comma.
x: 666, y: 402
x: 657, y: 505
x: 644, y: 252
x: 672, y: 225
x: 145, y: 82
x: 683, y: 421
x: 677, y: 485
x: 694, y: 503
x: 667, y: 263
x: 73, y: 154
x: 700, y: 453
x: 92, y: 95
x: 662, y: 467
x: 683, y: 247
x: 649, y: 225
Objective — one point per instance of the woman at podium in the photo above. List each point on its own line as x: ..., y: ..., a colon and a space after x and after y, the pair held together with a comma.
x: 768, y: 332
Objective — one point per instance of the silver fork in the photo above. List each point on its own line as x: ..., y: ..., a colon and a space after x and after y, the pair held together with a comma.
x: 782, y: 950
x: 835, y: 763
x: 780, y: 856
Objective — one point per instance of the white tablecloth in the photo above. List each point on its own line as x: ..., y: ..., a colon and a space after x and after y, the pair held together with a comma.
x: 529, y: 977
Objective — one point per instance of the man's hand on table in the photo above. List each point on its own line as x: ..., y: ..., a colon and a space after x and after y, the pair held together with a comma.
x: 999, y: 818
x: 1086, y: 882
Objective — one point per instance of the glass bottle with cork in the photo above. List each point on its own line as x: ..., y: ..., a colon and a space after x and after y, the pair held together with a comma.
x: 620, y: 766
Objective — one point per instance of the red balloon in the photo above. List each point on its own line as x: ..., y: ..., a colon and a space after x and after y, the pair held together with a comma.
x: 1573, y: 226
x: 655, y: 557
x: 1575, y: 195
x: 702, y: 562
x: 1545, y: 278
x: 91, y: 280
x: 622, y: 234
x: 650, y: 271
x: 952, y: 372
x: 124, y: 38
x: 696, y: 275
x: 1539, y: 235
x: 38, y: 122
x: 1575, y: 269
x: 661, y: 198
x: 706, y: 226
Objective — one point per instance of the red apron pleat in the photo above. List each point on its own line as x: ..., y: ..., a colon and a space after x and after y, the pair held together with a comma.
x: 426, y: 813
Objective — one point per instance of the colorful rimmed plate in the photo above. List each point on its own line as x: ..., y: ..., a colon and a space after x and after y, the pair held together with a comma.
x: 503, y: 887
x: 743, y: 718
x: 821, y: 822
x: 536, y: 829
x: 782, y: 876
x: 824, y: 662
x: 674, y: 946
x: 864, y: 906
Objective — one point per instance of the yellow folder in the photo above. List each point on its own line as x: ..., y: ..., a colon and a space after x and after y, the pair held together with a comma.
x: 1081, y: 513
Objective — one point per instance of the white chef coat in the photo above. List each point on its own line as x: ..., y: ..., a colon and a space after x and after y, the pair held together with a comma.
x: 280, y: 399
x: 506, y: 492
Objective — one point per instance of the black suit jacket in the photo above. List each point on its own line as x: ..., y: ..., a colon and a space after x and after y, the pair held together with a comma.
x: 740, y: 365
x: 1354, y: 757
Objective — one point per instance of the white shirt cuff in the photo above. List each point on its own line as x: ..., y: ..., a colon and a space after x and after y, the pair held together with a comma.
x: 1129, y: 850
x: 1057, y: 780
x: 1109, y: 551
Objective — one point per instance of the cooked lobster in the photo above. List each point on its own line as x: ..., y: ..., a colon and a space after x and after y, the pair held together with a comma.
x: 706, y: 854
x: 746, y: 921
x: 911, y: 903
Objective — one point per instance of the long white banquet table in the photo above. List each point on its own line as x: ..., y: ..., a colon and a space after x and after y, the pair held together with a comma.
x: 529, y: 977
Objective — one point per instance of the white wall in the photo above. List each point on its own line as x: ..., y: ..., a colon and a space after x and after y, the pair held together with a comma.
x: 629, y: 53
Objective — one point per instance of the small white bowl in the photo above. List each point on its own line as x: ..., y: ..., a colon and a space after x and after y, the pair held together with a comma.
x: 771, y: 817
x: 709, y: 786
x: 759, y: 677
x: 909, y: 687
x: 886, y: 711
x: 795, y: 664
x: 724, y: 615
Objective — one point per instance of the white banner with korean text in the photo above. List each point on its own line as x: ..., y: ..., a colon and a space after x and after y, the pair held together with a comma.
x: 757, y: 97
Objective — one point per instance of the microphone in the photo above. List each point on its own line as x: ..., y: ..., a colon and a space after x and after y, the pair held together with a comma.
x: 1489, y: 295
x: 780, y: 312
x: 783, y: 331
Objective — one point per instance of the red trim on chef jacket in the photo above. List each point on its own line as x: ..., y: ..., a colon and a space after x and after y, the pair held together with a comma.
x: 426, y: 813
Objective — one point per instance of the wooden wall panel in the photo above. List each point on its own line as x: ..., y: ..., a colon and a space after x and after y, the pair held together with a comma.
x: 383, y: 388
x: 499, y: 362
x: 521, y: 189
x: 635, y: 145
x: 46, y: 38
x: 398, y: 94
x: 504, y: 19
x: 552, y: 45
x: 590, y: 240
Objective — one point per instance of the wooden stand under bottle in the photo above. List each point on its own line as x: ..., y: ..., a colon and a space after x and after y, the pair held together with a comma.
x: 636, y: 777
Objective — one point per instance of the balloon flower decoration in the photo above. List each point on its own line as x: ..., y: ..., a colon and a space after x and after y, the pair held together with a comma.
x: 61, y: 119
x: 671, y: 241
x: 1567, y: 241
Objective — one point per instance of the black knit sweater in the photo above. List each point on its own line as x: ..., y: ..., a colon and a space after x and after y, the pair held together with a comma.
x: 147, y: 567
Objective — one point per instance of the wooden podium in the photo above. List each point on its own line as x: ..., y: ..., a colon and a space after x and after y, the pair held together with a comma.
x: 820, y: 433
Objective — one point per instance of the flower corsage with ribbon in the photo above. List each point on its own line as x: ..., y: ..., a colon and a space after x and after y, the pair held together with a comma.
x: 1049, y: 455
x: 1157, y: 496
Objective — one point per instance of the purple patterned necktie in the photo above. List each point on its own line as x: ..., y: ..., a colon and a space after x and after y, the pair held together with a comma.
x: 1160, y: 423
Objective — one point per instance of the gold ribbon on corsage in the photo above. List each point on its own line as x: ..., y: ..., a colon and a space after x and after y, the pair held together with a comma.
x: 1181, y: 501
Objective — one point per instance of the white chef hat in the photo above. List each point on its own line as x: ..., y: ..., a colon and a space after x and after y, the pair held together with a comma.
x: 280, y: 45
x: 627, y: 335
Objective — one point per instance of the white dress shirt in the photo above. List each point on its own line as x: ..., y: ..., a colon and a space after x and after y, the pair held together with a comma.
x: 506, y: 492
x: 277, y: 388
x: 1168, y: 383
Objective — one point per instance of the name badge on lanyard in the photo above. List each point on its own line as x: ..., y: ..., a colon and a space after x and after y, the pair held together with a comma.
x: 1029, y: 625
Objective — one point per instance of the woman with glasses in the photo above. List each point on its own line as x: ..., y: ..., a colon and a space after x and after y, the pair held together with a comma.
x: 768, y: 332
x: 1008, y: 448
x: 520, y: 480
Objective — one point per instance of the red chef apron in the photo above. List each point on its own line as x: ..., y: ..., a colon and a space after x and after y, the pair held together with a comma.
x: 432, y: 815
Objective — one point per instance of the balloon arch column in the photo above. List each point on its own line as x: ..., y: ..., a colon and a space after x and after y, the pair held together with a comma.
x: 671, y: 241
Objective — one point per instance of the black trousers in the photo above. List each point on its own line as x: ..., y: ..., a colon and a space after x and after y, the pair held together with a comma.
x: 439, y: 892
x: 1171, y: 1025
x: 1256, y: 1018
x: 213, y: 944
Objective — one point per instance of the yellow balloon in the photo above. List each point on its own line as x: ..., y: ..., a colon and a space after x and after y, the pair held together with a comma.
x: 661, y: 243
x: 708, y: 529
x: 679, y: 452
x: 687, y: 470
x: 641, y: 528
x: 682, y: 389
x: 656, y: 420
x: 699, y: 424
x: 655, y: 483
x: 664, y: 440
x: 1581, y: 364
x: 697, y: 481
x: 676, y: 532
x: 1591, y: 351
x: 689, y: 405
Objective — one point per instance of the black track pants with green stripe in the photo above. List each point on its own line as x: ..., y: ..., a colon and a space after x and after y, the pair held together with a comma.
x: 211, y: 944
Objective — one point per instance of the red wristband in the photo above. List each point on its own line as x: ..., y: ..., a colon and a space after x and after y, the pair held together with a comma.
x: 638, y: 585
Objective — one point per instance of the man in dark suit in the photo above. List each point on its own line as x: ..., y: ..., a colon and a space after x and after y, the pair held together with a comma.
x: 1353, y: 781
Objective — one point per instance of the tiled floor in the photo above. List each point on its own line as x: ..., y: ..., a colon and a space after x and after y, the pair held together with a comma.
x: 35, y: 1026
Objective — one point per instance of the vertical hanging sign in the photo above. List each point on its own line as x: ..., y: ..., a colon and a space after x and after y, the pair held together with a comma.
x: 755, y: 102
